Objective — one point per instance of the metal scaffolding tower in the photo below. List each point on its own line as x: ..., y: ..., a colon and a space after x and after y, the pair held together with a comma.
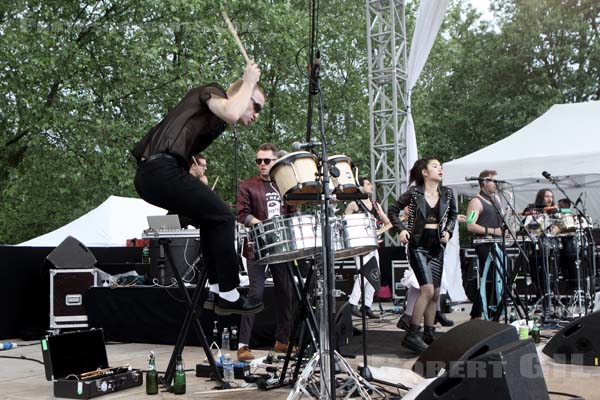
x: 386, y: 45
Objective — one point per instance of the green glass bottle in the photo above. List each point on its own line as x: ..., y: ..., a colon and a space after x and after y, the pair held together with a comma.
x: 151, y: 375
x: 535, y: 332
x: 179, y: 384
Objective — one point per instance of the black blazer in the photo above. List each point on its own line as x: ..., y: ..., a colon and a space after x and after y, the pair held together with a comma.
x: 414, y: 198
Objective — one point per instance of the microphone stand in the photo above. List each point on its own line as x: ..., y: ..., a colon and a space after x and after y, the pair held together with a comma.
x: 506, y: 292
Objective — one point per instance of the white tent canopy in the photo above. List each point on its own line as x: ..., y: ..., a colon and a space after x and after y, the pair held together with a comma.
x: 565, y: 141
x: 110, y: 224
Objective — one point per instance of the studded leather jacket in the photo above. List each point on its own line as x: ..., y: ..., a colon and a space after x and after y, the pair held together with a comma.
x: 414, y: 198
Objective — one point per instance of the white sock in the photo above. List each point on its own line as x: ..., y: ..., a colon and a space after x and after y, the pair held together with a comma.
x: 214, y: 287
x: 240, y: 345
x: 231, y: 296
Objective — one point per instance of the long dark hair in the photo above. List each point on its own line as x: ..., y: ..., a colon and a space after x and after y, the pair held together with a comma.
x: 416, y: 172
x: 539, y: 197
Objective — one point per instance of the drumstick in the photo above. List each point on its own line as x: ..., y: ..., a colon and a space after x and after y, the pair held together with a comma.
x: 215, y: 183
x: 235, y: 36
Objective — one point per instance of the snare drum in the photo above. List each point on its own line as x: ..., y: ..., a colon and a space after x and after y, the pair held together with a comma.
x: 346, y: 182
x: 354, y: 235
x: 296, y: 173
x: 286, y: 238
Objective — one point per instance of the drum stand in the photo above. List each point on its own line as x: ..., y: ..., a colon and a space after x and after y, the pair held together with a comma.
x: 575, y: 306
x: 552, y: 305
x: 581, y: 215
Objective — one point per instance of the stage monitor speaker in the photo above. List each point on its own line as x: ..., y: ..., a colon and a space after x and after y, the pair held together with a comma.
x: 578, y: 342
x: 71, y: 254
x: 464, y: 342
x: 509, y: 372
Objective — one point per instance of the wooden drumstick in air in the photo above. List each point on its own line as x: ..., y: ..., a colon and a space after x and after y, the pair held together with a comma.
x: 235, y: 36
x: 215, y: 183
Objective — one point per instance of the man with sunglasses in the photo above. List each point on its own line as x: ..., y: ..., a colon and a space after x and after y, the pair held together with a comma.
x: 259, y: 199
x: 163, y: 178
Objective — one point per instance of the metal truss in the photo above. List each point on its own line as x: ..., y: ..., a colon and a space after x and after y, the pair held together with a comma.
x: 386, y: 46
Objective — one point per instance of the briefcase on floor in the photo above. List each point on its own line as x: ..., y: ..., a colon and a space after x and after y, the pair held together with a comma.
x: 78, y: 365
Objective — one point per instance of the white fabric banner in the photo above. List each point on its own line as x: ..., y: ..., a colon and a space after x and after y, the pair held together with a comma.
x: 429, y: 19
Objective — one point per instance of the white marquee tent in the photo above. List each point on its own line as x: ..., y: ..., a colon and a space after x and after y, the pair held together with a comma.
x: 564, y: 141
x: 110, y: 224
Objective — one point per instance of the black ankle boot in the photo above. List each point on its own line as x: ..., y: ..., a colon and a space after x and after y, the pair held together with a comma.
x: 428, y: 334
x: 442, y: 320
x: 404, y: 322
x: 413, y: 340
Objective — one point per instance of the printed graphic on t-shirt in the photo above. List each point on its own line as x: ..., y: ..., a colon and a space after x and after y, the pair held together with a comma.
x: 273, y: 201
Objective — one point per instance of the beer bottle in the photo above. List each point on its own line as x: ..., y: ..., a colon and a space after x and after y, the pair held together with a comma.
x: 146, y: 255
x: 151, y: 375
x: 179, y: 384
x: 233, y: 338
x: 535, y: 331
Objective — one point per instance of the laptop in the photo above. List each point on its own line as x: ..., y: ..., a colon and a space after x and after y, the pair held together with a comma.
x: 164, y: 222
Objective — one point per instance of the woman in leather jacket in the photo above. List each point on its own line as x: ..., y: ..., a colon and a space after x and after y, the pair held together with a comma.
x: 431, y: 218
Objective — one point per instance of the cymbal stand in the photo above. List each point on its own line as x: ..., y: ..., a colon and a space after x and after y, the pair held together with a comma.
x: 575, y: 306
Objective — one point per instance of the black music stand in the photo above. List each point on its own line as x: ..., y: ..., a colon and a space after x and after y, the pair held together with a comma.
x: 192, y: 315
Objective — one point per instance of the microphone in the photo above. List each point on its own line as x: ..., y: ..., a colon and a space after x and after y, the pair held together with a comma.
x: 547, y: 175
x: 281, y: 153
x: 476, y: 178
x: 578, y: 201
x: 296, y: 146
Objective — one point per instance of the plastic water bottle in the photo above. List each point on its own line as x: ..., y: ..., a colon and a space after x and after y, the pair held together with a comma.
x: 7, y: 345
x: 228, y: 375
x: 225, y: 339
x: 215, y: 334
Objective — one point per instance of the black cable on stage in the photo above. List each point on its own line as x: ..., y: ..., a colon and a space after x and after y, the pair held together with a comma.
x: 24, y: 358
x: 572, y: 396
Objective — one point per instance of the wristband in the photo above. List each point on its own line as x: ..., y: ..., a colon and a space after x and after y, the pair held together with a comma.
x: 471, y: 217
x: 486, y: 230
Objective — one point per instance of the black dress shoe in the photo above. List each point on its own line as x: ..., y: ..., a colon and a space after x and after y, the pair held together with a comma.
x: 355, y: 311
x: 369, y: 313
x: 442, y: 320
x: 211, y: 299
x: 404, y: 322
x: 243, y: 305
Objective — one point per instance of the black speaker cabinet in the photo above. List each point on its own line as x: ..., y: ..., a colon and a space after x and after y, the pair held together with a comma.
x: 577, y: 343
x: 509, y: 372
x: 464, y: 342
x: 71, y: 253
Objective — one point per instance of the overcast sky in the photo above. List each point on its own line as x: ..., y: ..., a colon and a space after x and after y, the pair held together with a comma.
x: 483, y: 6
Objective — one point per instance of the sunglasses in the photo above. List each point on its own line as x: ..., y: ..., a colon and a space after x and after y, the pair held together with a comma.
x: 257, y: 106
x: 266, y: 161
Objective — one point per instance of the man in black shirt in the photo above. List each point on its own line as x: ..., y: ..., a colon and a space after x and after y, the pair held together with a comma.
x: 163, y: 178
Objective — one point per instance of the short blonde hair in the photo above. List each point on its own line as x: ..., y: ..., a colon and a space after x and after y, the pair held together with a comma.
x: 235, y: 87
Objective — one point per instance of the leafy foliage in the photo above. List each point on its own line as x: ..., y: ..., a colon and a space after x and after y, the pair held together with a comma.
x: 81, y: 82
